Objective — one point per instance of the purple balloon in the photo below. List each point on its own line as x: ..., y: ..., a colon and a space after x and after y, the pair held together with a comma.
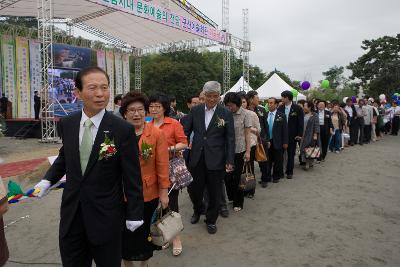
x: 305, y: 85
x: 354, y: 99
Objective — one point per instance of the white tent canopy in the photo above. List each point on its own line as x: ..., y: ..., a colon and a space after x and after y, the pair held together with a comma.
x: 241, y: 85
x: 273, y: 87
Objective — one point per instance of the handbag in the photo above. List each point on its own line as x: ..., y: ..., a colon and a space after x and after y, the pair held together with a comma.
x: 165, y: 228
x: 261, y: 156
x: 247, y: 179
x: 179, y: 174
x: 312, y: 152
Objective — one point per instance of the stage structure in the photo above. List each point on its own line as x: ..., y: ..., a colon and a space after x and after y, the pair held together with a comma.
x: 139, y: 27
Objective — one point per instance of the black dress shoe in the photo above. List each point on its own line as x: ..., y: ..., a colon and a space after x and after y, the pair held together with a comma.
x: 289, y: 176
x: 224, y: 213
x: 275, y: 181
x: 264, y: 184
x: 195, y: 218
x: 211, y: 228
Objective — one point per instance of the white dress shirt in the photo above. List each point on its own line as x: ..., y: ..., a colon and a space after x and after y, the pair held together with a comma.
x: 96, y: 120
x: 321, y: 116
x: 209, y: 113
x: 349, y: 110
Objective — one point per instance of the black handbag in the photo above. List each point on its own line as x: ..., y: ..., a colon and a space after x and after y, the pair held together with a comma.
x: 247, y: 179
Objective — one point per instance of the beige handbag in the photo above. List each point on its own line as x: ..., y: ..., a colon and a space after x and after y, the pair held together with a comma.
x: 166, y: 227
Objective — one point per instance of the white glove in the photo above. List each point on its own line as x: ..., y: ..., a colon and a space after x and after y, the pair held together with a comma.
x: 133, y: 225
x: 42, y: 188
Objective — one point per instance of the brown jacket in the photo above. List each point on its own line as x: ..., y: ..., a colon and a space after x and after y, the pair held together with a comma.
x: 155, y: 170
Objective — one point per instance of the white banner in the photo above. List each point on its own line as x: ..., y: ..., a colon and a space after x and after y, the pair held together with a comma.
x: 126, y: 73
x: 119, y: 84
x: 9, y: 81
x: 110, y: 71
x: 101, y: 59
x: 35, y: 66
x: 23, y: 80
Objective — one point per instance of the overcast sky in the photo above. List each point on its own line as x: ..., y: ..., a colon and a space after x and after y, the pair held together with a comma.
x: 306, y: 37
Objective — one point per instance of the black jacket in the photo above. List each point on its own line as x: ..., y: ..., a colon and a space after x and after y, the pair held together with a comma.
x: 100, y: 191
x: 217, y: 143
x: 327, y: 121
x: 295, y: 122
x: 279, y: 130
x: 262, y: 117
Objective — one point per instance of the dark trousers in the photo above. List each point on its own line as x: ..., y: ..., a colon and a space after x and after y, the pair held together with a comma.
x: 264, y: 166
x: 367, y: 133
x: 325, y: 135
x: 275, y: 163
x: 232, y: 184
x: 252, y: 159
x: 395, y: 125
x: 37, y: 110
x: 212, y: 180
x: 336, y: 141
x: 223, y: 205
x: 359, y: 130
x: 173, y: 200
x: 76, y: 249
x: 291, y: 153
x: 352, y: 132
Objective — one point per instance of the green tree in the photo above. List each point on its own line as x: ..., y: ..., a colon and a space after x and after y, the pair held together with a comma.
x: 378, y: 70
x: 335, y: 76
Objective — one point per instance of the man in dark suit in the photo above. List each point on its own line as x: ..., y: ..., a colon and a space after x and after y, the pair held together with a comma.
x: 352, y: 120
x: 36, y: 105
x: 99, y: 176
x: 295, y: 121
x: 278, y: 134
x: 326, y: 128
x: 254, y: 102
x: 213, y: 150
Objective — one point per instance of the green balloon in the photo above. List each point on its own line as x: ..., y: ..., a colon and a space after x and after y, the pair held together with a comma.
x: 325, y: 84
x: 396, y: 94
x: 295, y: 92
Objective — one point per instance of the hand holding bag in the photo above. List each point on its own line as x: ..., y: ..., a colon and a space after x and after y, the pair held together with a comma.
x: 261, y: 156
x: 179, y: 175
x: 165, y: 227
x: 247, y: 179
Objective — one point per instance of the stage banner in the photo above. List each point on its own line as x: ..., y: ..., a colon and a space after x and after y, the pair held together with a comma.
x: 110, y: 71
x: 36, y: 74
x: 126, y: 73
x: 101, y: 59
x: 147, y: 10
x: 71, y: 57
x: 23, y: 79
x: 9, y: 81
x: 119, y: 82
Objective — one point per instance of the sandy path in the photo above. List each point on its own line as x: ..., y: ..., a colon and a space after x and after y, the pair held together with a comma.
x: 346, y: 212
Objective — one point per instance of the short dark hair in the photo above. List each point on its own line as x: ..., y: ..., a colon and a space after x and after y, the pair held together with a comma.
x: 172, y: 99
x: 86, y: 71
x: 310, y: 104
x: 301, y: 101
x: 252, y: 93
x: 233, y: 98
x: 131, y: 97
x: 321, y: 101
x: 287, y: 94
x: 190, y: 99
x: 35, y: 92
x: 117, y: 98
x: 273, y: 98
x: 164, y: 100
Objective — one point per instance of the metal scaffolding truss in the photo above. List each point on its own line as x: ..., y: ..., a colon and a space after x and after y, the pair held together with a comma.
x: 226, y: 48
x: 7, y: 3
x: 179, y: 46
x: 244, y: 51
x: 45, y: 33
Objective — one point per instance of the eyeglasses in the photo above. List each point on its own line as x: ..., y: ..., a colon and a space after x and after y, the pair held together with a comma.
x: 133, y: 111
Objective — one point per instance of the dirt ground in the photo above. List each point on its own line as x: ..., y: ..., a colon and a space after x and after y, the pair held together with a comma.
x: 344, y: 212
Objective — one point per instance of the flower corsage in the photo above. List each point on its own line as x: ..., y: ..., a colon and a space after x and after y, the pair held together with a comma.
x: 147, y: 151
x: 220, y: 122
x: 107, y: 149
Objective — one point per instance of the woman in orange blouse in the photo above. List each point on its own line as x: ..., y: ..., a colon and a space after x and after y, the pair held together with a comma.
x: 154, y: 167
x: 159, y: 109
